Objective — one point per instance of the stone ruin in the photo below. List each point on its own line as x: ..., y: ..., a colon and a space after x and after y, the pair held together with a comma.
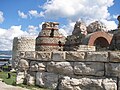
x: 49, y: 39
x: 88, y: 38
x: 69, y: 64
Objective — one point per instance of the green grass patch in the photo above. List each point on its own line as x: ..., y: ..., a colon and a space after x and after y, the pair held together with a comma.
x: 12, y: 81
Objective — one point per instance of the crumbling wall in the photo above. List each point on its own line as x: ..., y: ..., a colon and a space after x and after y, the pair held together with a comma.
x: 22, y: 44
x: 70, y: 70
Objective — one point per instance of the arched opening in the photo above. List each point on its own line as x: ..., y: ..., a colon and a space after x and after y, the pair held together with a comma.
x: 101, y: 43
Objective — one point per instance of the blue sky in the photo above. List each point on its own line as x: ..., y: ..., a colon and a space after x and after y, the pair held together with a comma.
x: 10, y: 9
x: 25, y: 17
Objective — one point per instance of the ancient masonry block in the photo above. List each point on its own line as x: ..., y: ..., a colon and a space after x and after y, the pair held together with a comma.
x: 43, y: 56
x: 114, y: 56
x: 75, y: 56
x: 65, y: 68
x: 68, y: 83
x: 30, y: 79
x: 89, y: 68
x: 37, y: 66
x: 23, y: 65
x: 45, y: 79
x: 113, y: 69
x: 20, y: 77
x: 30, y: 54
x: 97, y: 56
x: 58, y: 56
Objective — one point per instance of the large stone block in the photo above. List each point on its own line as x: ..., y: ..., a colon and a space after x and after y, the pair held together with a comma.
x: 23, y: 65
x: 89, y: 68
x: 43, y: 56
x: 37, y: 66
x: 97, y: 56
x: 75, y: 56
x: 30, y: 79
x: 58, y: 56
x: 86, y: 48
x: 30, y: 54
x: 114, y: 56
x: 20, y: 54
x: 33, y: 66
x: 20, y: 77
x: 42, y: 66
x: 113, y: 69
x: 44, y: 79
x: 64, y: 68
x: 68, y: 83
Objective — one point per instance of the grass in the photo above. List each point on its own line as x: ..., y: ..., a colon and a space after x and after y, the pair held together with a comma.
x: 11, y: 81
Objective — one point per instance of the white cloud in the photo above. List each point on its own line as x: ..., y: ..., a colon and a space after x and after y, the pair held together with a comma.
x: 115, y: 16
x: 40, y: 25
x: 7, y: 35
x: 32, y: 30
x: 110, y: 25
x: 1, y: 17
x: 35, y: 13
x: 87, y: 10
x: 77, y: 8
x: 22, y: 15
x: 67, y: 29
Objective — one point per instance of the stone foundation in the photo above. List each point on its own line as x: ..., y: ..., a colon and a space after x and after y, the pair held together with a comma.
x: 70, y: 70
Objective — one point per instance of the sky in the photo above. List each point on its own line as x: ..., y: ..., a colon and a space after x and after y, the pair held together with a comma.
x: 25, y: 17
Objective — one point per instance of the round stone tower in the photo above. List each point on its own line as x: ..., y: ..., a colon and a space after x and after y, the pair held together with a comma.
x: 49, y: 39
x: 22, y: 44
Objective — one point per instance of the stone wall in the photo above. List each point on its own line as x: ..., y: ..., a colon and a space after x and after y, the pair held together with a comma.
x: 68, y: 70
x: 22, y: 44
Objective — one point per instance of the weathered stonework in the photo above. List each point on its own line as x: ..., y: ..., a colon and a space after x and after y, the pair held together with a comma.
x: 75, y: 56
x: 20, y: 77
x: 70, y: 70
x: 89, y: 68
x: 58, y: 56
x: 22, y: 44
x: 30, y: 80
x: 46, y: 79
x: 68, y: 83
x: 97, y: 56
x: 113, y: 69
x: 23, y: 65
x: 37, y: 66
x: 49, y: 39
x: 65, y: 68
x: 114, y: 56
x: 69, y: 63
x: 30, y: 55
x: 43, y: 56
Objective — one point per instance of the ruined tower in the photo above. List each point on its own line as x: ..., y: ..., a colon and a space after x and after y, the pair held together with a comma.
x: 49, y: 39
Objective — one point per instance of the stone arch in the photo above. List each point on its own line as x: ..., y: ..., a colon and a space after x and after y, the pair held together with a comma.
x: 100, y: 37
